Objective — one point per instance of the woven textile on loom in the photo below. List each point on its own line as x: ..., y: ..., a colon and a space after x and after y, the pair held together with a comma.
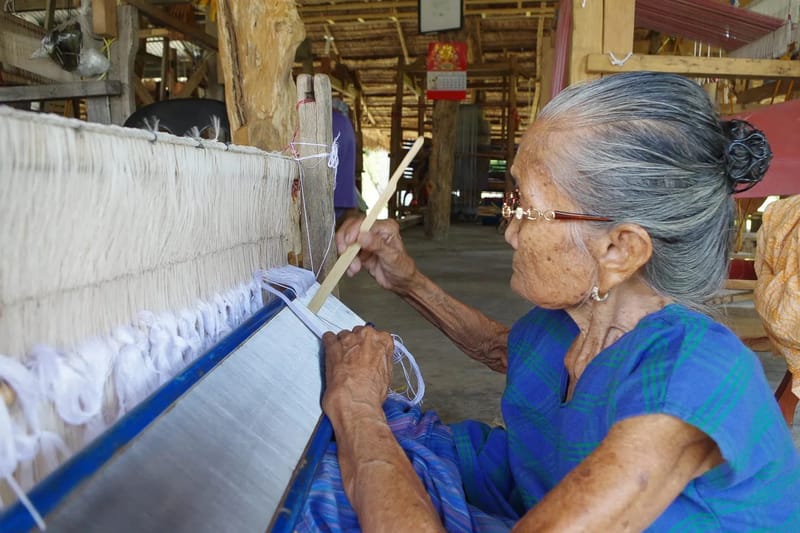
x: 777, y: 293
x: 126, y: 254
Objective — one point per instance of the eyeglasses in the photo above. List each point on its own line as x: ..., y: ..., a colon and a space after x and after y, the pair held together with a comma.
x: 512, y: 209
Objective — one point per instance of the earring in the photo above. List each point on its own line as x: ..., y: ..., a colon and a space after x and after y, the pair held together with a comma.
x: 596, y: 295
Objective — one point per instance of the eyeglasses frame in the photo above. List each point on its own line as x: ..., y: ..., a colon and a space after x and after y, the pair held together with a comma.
x: 511, y: 209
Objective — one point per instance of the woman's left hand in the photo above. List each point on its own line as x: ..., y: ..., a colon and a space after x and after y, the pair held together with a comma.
x: 358, y: 369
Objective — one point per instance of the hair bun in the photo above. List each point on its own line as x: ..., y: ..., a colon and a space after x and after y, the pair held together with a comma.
x: 747, y: 155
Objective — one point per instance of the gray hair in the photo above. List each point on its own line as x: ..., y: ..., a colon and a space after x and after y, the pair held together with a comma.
x: 648, y: 148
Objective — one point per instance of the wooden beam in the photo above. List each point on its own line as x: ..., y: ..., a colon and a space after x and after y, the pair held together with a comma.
x: 59, y: 91
x: 141, y: 91
x: 18, y: 40
x: 22, y: 6
x: 511, y: 130
x: 618, y: 25
x: 49, y: 14
x: 104, y: 17
x: 144, y: 33
x: 330, y: 44
x: 587, y: 37
x: 409, y: 84
x: 406, y: 58
x: 123, y: 55
x: 756, y: 94
x: 358, y: 13
x: 718, y: 67
x: 192, y: 31
x: 195, y: 79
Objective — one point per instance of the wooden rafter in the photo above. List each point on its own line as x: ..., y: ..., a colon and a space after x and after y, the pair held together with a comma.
x: 402, y: 39
x: 192, y: 31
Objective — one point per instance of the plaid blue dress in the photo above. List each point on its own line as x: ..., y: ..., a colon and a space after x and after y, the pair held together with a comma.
x: 675, y: 362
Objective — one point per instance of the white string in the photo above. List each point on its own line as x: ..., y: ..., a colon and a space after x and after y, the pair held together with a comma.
x: 619, y: 62
x: 19, y: 441
x: 300, y: 280
x: 401, y: 356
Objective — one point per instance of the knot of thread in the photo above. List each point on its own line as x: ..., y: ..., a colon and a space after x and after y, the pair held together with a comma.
x: 619, y: 62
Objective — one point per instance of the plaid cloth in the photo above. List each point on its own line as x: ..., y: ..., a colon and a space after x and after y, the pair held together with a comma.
x: 675, y: 362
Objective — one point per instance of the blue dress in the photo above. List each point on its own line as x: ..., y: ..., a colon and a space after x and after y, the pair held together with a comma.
x: 675, y: 362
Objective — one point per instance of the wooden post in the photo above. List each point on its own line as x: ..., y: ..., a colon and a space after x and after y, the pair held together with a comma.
x: 104, y: 18
x: 618, y: 21
x: 546, y: 76
x: 511, y: 137
x: 396, y: 140
x: 257, y: 44
x: 316, y: 128
x: 421, y: 115
x: 437, y: 216
x: 587, y: 37
x: 123, y: 58
x: 162, y: 89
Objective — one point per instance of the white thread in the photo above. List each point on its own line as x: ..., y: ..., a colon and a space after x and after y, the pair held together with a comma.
x: 333, y: 158
x: 401, y: 355
x: 619, y: 62
x: 19, y: 441
x: 300, y: 280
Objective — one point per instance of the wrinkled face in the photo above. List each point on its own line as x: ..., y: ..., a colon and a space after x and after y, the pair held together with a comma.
x: 548, y: 268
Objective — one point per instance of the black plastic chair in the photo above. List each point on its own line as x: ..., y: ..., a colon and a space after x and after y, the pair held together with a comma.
x: 181, y: 115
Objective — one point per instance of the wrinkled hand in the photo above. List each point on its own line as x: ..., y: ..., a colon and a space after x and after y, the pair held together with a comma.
x: 382, y: 253
x: 358, y: 370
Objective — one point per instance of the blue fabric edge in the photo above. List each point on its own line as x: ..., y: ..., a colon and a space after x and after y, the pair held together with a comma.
x: 291, y: 508
x: 51, y: 491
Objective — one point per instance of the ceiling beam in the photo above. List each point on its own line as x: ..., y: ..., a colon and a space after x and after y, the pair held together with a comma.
x: 192, y: 31
x: 406, y: 58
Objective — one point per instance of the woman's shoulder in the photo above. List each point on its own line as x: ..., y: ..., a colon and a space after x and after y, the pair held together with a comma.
x: 679, y: 333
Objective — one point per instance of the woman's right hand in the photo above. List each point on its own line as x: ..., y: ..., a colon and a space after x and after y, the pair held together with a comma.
x: 382, y: 253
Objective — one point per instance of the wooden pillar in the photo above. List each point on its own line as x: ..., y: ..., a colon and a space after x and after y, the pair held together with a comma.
x: 513, y: 123
x: 123, y: 59
x: 358, y: 117
x: 421, y: 114
x: 162, y: 87
x: 548, y: 55
x: 437, y: 216
x: 116, y: 109
x: 316, y: 128
x: 618, y: 23
x: 257, y: 44
x: 396, y: 140
x: 586, y: 37
x: 214, y: 88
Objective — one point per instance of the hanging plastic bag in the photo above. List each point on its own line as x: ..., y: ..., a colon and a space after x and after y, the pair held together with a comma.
x: 73, y: 47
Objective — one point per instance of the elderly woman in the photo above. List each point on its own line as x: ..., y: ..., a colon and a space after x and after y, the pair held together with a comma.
x: 626, y: 407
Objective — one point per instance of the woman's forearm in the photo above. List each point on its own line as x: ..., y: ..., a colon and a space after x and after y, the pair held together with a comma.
x: 478, y: 336
x: 380, y: 482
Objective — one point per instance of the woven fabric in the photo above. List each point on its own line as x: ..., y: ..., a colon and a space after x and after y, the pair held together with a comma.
x: 428, y: 444
x: 777, y: 292
x: 675, y: 362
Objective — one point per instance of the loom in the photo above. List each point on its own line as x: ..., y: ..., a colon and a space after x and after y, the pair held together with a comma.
x: 146, y: 386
